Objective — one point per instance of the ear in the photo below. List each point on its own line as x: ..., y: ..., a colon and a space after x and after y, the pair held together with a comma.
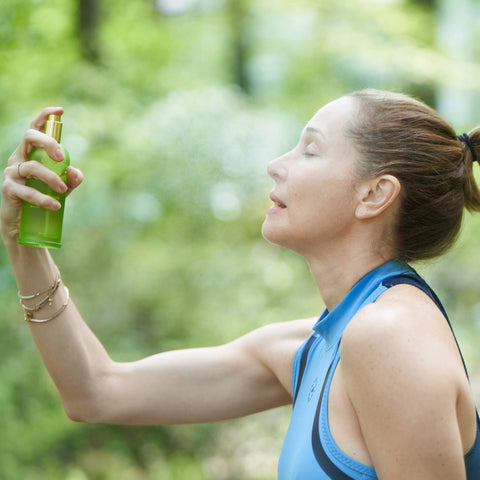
x: 376, y: 195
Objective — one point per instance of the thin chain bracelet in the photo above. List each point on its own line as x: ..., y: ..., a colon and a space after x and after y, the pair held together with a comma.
x: 41, y: 304
x: 49, y: 290
x: 29, y: 315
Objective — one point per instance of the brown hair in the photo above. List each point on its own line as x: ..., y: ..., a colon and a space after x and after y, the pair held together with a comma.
x: 398, y: 135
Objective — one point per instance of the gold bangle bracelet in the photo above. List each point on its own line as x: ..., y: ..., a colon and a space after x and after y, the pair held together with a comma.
x: 41, y: 303
x: 35, y: 295
x: 29, y: 314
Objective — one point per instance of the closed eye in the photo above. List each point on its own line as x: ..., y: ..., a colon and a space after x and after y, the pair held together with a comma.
x: 311, y: 150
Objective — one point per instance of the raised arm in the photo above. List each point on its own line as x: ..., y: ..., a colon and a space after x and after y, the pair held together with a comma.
x: 206, y: 384
x: 245, y: 376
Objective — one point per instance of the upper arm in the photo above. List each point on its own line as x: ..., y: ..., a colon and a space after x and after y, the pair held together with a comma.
x: 403, y: 382
x: 245, y: 376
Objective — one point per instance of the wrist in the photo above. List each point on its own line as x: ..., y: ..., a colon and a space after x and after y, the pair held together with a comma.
x: 21, y: 253
x: 9, y: 238
x: 11, y: 245
x: 33, y: 267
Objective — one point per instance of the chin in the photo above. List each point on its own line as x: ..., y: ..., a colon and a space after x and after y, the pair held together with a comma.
x: 274, y: 235
x: 269, y: 233
x: 284, y: 238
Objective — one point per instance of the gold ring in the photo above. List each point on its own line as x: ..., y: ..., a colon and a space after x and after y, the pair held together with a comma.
x: 18, y: 170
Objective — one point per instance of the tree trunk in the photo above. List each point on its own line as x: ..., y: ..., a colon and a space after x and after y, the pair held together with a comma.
x: 88, y: 20
x: 238, y: 11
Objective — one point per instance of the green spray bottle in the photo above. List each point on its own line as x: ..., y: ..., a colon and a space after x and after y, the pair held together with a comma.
x: 40, y: 227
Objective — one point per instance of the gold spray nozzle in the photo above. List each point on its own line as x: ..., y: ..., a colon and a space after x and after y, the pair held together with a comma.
x: 53, y: 127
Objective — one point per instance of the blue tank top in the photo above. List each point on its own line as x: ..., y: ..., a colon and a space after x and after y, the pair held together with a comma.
x: 309, y: 451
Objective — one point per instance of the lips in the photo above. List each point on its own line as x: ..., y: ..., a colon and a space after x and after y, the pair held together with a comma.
x: 277, y: 201
x: 278, y: 205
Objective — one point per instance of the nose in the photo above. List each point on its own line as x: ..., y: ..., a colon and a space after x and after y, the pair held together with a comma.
x: 277, y: 168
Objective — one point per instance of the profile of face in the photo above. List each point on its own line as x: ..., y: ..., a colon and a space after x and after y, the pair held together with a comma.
x: 314, y: 194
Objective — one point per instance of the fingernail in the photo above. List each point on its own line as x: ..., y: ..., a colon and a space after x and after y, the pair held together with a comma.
x: 63, y: 188
x: 59, y: 153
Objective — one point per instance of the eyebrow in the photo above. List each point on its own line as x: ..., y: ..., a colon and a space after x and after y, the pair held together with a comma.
x: 315, y: 131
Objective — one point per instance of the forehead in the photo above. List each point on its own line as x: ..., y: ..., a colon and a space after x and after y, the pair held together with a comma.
x: 331, y: 118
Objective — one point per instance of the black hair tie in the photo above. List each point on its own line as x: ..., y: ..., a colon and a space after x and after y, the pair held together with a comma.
x: 466, y: 139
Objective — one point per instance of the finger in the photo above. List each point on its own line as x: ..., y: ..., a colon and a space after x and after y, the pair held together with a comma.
x: 33, y: 169
x: 19, y: 192
x: 74, y: 178
x: 33, y: 138
x: 13, y: 173
x: 38, y: 123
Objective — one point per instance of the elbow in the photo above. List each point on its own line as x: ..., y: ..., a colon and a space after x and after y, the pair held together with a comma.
x: 86, y: 410
x: 91, y: 403
x: 80, y: 414
x: 96, y: 402
x: 75, y: 416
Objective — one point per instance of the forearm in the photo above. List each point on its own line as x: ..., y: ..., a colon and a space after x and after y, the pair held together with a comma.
x: 73, y: 356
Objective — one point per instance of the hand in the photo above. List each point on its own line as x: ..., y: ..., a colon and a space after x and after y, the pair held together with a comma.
x: 14, y: 190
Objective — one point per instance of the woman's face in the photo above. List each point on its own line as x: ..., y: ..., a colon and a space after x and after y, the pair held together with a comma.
x: 314, y: 194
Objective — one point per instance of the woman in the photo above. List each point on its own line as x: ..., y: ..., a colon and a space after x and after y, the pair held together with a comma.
x: 379, y: 387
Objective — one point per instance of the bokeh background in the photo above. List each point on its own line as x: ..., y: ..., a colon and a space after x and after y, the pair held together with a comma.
x: 173, y: 110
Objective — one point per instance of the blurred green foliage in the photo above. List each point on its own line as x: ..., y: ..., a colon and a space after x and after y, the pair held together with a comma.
x: 173, y: 109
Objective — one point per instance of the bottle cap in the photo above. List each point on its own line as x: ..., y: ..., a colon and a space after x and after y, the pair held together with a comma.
x: 53, y: 127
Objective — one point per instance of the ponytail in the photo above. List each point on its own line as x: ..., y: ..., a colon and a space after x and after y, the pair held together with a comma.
x: 471, y: 153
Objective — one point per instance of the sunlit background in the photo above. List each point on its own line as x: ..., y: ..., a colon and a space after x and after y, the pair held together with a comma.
x: 173, y: 109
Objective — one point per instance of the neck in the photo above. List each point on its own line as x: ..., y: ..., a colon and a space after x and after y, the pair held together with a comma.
x: 336, y: 275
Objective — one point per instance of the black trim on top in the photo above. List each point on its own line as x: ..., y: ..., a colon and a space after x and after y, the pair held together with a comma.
x: 303, y: 364
x: 418, y: 282
x: 321, y: 456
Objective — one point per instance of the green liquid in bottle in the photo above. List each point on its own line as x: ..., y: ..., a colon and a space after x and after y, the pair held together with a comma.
x: 40, y: 227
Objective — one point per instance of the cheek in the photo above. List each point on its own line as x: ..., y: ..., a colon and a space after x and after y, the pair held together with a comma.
x: 312, y: 195
x: 330, y: 200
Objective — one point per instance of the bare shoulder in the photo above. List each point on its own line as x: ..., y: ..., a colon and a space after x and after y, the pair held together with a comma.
x: 274, y: 346
x: 403, y: 320
x: 403, y: 374
x: 403, y: 331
